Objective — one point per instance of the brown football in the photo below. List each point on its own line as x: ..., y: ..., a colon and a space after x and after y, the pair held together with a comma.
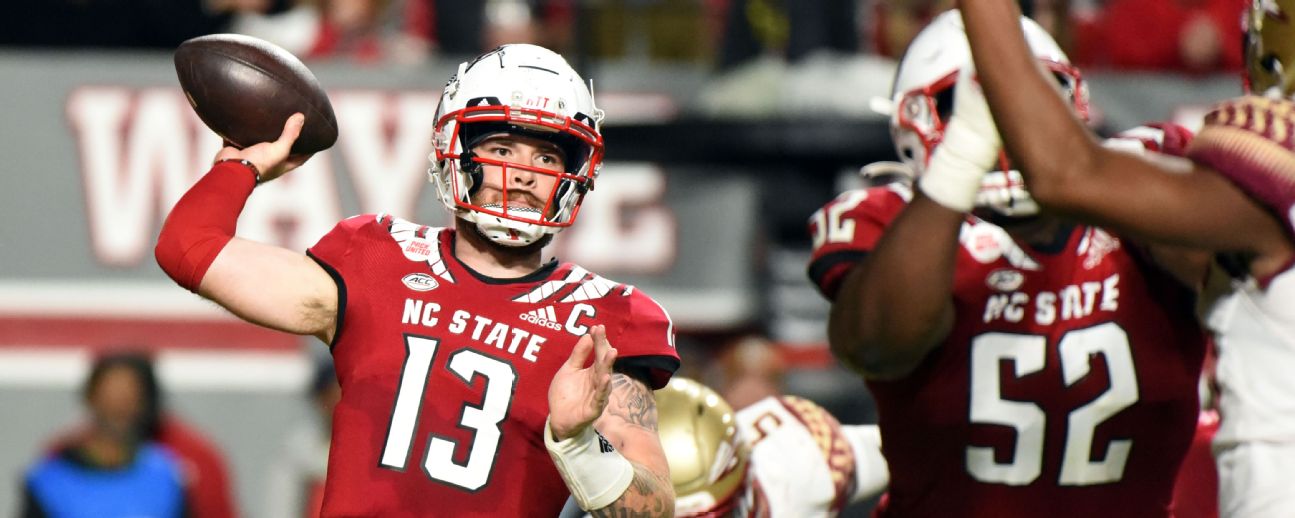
x: 245, y: 88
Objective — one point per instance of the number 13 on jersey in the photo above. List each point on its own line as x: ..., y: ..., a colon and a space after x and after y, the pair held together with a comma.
x: 438, y: 463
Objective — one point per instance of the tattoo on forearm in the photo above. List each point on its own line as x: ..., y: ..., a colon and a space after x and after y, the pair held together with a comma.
x: 635, y: 402
x: 642, y: 499
x: 645, y: 481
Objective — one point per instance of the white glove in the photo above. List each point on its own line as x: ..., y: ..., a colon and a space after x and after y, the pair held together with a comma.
x: 969, y: 149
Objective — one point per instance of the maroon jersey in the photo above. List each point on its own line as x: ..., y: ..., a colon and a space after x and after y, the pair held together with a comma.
x: 1249, y: 141
x: 1067, y: 386
x: 445, y: 372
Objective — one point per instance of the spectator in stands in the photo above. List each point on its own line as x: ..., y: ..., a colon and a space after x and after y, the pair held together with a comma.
x: 159, y: 24
x: 202, y: 470
x: 373, y: 31
x: 752, y: 370
x: 297, y: 476
x: 785, y: 28
x: 111, y: 469
x: 206, y: 475
x: 896, y: 23
x: 364, y: 30
x: 1160, y: 35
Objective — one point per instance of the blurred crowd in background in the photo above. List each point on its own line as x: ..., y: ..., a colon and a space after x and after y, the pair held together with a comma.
x: 1195, y: 36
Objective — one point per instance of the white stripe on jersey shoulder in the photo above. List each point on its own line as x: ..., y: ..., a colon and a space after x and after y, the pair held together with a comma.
x: 419, y: 243
x: 548, y: 288
x: 903, y: 189
x: 588, y: 286
x: 595, y: 287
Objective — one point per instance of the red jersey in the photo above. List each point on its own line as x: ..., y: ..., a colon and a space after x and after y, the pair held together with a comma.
x: 445, y: 372
x: 1196, y: 492
x: 1067, y: 386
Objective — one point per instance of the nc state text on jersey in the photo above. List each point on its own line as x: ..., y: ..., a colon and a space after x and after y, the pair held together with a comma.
x: 502, y: 336
x: 1075, y: 300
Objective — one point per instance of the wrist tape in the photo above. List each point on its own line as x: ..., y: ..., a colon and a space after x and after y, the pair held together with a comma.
x: 596, y: 476
x: 958, y: 166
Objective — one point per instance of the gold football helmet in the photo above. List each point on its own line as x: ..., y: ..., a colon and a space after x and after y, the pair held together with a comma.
x: 1270, y: 48
x: 707, y: 459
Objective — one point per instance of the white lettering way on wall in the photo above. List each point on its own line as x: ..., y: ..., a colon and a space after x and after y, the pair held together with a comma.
x: 140, y: 149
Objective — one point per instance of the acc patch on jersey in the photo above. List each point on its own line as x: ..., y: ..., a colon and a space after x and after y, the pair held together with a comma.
x: 420, y: 282
x: 1005, y: 279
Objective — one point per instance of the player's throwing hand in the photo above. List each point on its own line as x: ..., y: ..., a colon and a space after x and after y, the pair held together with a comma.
x: 578, y: 393
x: 271, y: 158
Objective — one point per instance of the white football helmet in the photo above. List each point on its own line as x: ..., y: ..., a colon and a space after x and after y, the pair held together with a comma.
x: 922, y: 101
x: 517, y: 89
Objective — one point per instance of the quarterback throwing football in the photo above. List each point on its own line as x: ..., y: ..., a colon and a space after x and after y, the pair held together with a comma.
x: 464, y: 358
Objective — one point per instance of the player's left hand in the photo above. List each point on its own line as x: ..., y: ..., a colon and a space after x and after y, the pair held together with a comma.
x: 578, y: 394
x: 971, y: 108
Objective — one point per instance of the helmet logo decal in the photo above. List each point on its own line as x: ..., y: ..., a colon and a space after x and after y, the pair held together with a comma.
x: 499, y: 52
x: 539, y: 102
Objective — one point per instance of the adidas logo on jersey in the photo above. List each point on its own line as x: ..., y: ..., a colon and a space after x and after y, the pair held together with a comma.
x: 544, y: 317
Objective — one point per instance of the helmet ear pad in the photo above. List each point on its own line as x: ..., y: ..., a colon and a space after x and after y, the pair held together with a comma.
x: 473, y: 169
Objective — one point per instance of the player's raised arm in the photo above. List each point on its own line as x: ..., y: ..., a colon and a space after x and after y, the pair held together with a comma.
x: 1069, y: 172
x: 266, y: 285
x: 602, y: 435
x: 897, y: 304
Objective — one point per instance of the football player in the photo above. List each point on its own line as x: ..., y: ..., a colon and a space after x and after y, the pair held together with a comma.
x: 476, y: 377
x: 1235, y: 196
x: 1022, y: 365
x: 781, y: 456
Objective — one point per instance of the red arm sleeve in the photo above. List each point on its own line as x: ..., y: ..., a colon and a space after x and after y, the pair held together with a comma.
x: 203, y: 221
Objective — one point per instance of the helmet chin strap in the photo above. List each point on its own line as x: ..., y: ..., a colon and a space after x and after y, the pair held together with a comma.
x: 507, y: 232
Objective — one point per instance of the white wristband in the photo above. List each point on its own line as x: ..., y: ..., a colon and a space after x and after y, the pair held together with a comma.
x: 595, y: 477
x: 958, y: 166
